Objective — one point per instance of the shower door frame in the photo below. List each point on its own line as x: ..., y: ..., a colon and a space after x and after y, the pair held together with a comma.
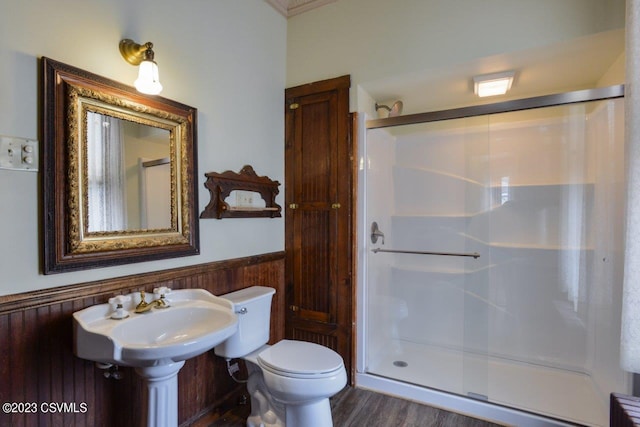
x: 586, y: 95
x: 438, y: 398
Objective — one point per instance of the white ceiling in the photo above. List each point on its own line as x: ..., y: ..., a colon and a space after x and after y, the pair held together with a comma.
x: 572, y: 65
x: 294, y: 7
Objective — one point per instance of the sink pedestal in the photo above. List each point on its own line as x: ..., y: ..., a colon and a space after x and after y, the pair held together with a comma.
x: 162, y: 393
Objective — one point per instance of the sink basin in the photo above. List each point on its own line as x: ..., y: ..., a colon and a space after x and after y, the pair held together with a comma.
x: 195, y: 322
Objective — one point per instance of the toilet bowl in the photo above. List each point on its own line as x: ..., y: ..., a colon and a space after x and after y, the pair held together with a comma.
x: 290, y: 382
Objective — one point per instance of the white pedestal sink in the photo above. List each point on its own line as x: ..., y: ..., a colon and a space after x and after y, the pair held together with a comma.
x: 156, y: 343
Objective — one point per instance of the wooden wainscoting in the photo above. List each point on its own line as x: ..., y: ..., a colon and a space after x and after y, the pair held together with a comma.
x: 37, y: 364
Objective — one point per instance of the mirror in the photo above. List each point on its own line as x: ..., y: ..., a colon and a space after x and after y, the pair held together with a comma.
x: 128, y: 174
x: 119, y: 173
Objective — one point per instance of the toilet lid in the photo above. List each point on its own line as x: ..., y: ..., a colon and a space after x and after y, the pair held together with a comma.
x: 300, y: 357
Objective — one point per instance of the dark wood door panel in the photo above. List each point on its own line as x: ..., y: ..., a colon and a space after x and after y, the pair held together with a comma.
x: 318, y: 201
x: 313, y: 282
x: 316, y: 332
x: 316, y: 140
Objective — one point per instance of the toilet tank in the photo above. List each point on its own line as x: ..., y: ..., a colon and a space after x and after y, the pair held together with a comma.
x: 253, y: 308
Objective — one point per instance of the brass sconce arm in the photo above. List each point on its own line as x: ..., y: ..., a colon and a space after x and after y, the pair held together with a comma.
x: 135, y: 53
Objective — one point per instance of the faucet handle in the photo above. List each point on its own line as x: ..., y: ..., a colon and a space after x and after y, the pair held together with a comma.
x: 161, y: 291
x: 118, y: 301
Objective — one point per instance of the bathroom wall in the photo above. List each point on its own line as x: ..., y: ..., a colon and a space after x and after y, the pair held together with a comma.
x: 384, y: 39
x: 37, y: 365
x: 226, y: 58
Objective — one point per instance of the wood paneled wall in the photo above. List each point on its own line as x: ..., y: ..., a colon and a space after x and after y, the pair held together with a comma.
x: 624, y: 411
x: 37, y: 364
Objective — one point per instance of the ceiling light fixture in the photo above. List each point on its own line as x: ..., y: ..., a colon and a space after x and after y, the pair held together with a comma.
x: 148, y: 80
x: 493, y: 84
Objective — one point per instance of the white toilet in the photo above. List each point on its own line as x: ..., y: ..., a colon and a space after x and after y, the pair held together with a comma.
x: 290, y: 382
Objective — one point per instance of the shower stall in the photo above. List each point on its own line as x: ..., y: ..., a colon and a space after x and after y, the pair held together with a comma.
x: 491, y: 258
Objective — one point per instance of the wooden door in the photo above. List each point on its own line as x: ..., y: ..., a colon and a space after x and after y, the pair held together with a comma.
x: 318, y: 211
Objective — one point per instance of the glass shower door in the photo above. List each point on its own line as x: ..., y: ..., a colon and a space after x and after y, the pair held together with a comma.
x: 533, y: 321
x: 556, y: 180
x: 427, y: 284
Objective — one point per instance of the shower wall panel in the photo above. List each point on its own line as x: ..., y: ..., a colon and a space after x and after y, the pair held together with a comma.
x: 522, y: 202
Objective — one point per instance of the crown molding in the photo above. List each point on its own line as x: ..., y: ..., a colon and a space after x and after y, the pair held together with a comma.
x: 290, y: 8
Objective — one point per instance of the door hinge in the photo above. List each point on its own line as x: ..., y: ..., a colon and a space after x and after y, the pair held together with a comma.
x: 294, y: 106
x: 335, y: 206
x: 293, y: 206
x: 294, y: 308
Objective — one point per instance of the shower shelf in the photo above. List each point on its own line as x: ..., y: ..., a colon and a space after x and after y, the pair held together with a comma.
x: 518, y: 192
x: 443, y: 216
x: 418, y: 268
x: 527, y: 246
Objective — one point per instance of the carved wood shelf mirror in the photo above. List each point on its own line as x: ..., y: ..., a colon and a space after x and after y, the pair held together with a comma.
x: 244, y: 184
x: 119, y: 173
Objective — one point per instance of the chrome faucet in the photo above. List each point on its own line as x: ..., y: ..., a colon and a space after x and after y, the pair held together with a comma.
x: 375, y: 233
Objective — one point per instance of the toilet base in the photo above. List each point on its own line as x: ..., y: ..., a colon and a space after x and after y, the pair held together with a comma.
x: 266, y: 411
x: 316, y: 414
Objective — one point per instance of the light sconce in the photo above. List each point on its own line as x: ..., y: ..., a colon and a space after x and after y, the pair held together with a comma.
x: 148, y: 80
x: 394, y: 110
x: 493, y: 84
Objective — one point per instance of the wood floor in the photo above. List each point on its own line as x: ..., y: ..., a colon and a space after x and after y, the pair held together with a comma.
x: 363, y: 408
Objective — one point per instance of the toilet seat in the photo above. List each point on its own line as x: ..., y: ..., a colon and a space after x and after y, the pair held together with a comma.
x: 300, y: 359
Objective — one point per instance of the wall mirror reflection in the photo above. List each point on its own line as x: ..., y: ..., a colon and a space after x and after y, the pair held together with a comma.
x: 128, y: 175
x: 119, y: 173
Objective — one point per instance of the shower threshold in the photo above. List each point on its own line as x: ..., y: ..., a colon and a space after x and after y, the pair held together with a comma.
x: 550, y: 392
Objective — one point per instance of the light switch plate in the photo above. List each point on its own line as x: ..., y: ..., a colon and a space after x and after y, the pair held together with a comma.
x: 19, y: 153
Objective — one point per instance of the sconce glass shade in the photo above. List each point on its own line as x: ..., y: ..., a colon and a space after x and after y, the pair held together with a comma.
x: 148, y: 80
x: 142, y: 55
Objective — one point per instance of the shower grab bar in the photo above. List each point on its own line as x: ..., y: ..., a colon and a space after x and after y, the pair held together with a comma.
x: 474, y: 255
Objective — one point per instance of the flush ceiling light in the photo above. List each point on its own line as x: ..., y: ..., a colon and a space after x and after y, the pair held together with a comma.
x: 493, y: 84
x: 148, y: 80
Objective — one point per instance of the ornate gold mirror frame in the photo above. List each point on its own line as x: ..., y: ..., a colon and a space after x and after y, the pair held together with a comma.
x: 70, y: 97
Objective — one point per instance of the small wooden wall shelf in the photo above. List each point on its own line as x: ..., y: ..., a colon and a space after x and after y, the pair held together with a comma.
x: 220, y: 186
